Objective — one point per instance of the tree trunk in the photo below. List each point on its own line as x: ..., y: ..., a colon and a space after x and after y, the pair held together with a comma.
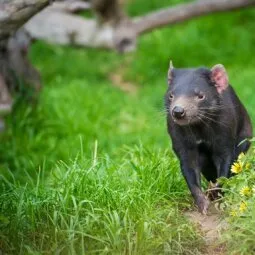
x: 15, y: 68
x: 14, y: 13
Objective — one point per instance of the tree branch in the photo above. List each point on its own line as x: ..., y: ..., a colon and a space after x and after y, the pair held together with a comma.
x: 71, y: 6
x: 112, y: 29
x: 68, y: 29
x: 14, y: 13
x: 184, y: 12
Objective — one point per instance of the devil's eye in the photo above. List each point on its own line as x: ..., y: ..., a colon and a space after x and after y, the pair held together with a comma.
x: 201, y: 96
x: 171, y: 96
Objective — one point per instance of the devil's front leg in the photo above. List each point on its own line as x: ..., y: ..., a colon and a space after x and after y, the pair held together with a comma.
x: 223, y: 161
x: 191, y: 172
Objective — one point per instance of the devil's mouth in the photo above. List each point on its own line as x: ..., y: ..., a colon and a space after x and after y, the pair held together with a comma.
x: 181, y: 122
x: 186, y: 121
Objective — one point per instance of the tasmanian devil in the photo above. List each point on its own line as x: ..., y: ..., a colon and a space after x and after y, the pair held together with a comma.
x: 208, y: 125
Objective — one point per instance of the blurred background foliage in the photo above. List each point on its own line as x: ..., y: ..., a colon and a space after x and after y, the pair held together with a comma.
x: 79, y: 104
x: 83, y: 111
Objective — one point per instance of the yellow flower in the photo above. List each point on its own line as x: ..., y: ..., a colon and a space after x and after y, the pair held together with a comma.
x: 236, y: 168
x: 233, y: 213
x: 243, y: 206
x: 245, y: 191
x: 241, y: 156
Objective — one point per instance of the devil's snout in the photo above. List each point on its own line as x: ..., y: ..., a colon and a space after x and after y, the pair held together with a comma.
x: 178, y: 112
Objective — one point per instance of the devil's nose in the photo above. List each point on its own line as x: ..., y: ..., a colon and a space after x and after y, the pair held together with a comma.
x: 178, y: 112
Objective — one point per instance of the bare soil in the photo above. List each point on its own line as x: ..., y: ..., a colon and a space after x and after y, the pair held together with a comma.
x: 119, y: 82
x: 210, y: 226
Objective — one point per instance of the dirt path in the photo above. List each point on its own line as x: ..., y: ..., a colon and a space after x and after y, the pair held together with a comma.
x: 210, y: 226
x: 119, y: 82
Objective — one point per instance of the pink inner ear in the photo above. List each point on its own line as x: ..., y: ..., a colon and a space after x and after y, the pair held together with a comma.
x: 220, y: 77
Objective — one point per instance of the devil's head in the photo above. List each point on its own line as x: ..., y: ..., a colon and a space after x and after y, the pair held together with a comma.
x: 194, y: 95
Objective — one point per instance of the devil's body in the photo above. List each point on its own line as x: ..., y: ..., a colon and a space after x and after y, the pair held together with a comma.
x: 208, y: 128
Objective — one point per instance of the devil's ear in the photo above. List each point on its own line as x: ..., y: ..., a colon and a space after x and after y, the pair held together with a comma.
x: 170, y: 72
x: 219, y: 77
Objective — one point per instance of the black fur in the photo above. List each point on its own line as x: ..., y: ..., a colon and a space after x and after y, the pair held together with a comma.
x: 209, y: 144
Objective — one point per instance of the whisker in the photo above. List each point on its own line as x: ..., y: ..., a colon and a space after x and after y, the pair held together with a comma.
x: 206, y: 124
x: 209, y: 113
x: 218, y: 107
x: 165, y: 110
x: 202, y: 115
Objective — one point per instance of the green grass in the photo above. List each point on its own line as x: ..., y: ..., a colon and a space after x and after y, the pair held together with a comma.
x: 90, y: 169
x: 100, y: 207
